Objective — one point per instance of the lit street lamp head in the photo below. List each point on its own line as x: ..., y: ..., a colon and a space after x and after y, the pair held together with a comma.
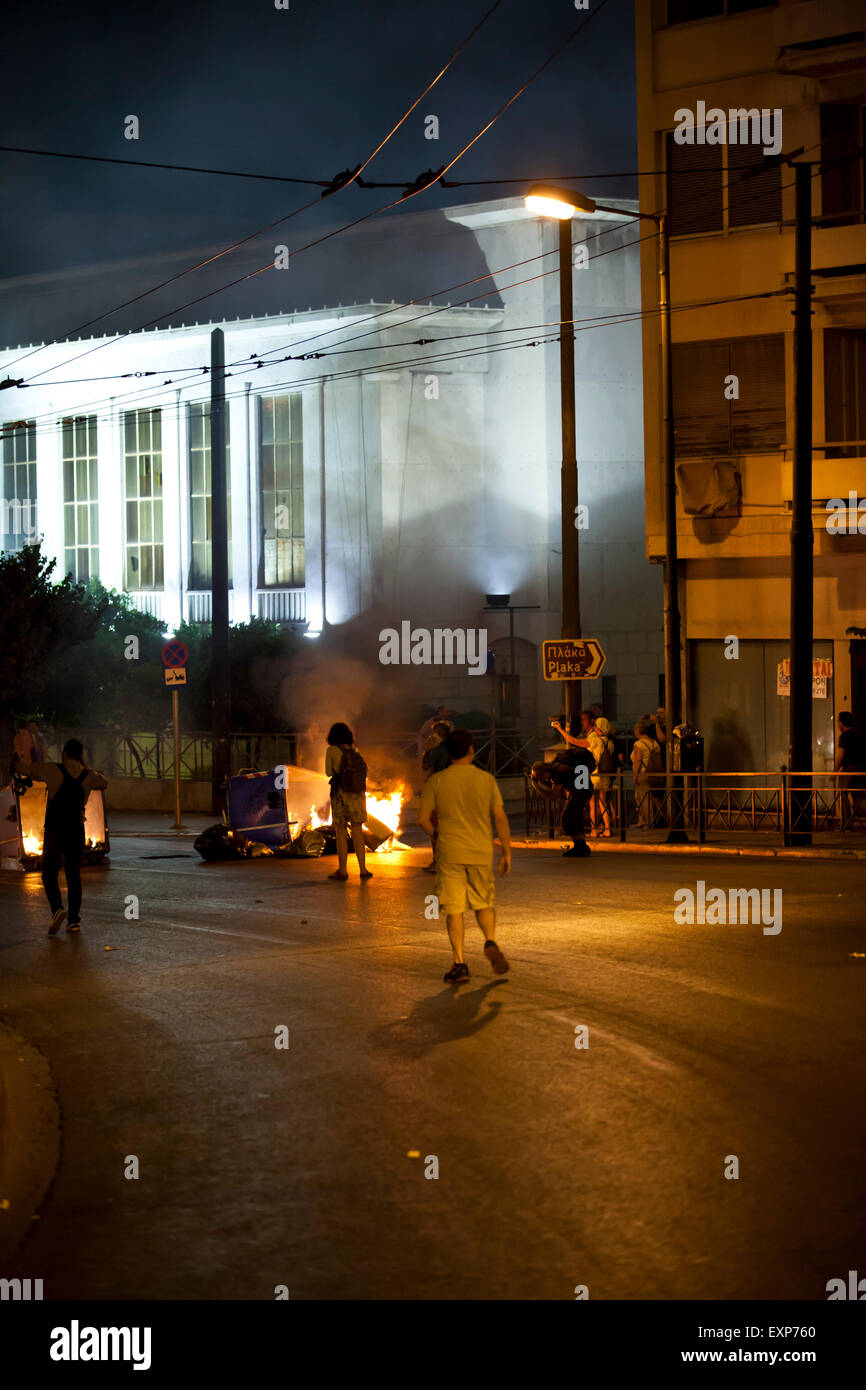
x: 549, y: 201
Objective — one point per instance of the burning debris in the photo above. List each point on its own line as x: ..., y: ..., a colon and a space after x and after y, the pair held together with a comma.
x: 287, y: 812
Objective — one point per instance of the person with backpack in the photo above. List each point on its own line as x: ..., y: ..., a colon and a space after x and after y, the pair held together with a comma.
x: 600, y: 744
x: 649, y: 769
x: 348, y: 773
x: 69, y: 784
x: 575, y: 769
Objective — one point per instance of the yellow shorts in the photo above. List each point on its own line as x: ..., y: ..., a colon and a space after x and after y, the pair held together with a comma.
x: 459, y: 886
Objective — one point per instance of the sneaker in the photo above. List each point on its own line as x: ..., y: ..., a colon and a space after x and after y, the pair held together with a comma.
x: 457, y: 974
x: 74, y: 925
x: 365, y: 874
x: 57, y: 921
x: 496, y: 958
x: 578, y: 851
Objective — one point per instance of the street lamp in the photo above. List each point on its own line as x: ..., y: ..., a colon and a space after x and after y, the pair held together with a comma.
x: 562, y: 203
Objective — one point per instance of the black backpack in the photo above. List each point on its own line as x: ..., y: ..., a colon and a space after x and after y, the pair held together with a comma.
x: 65, y: 810
x: 352, y: 776
x: 607, y: 762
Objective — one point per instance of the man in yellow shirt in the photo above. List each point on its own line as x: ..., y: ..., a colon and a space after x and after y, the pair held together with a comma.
x: 457, y: 806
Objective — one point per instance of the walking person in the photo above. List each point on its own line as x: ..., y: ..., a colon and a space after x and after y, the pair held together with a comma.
x: 647, y: 767
x: 69, y: 784
x: 458, y: 806
x: 851, y: 764
x: 436, y: 759
x: 348, y: 773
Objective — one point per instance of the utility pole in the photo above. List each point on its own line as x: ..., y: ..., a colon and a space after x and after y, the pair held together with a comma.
x: 673, y: 659
x: 220, y: 669
x: 570, y: 555
x: 799, y: 827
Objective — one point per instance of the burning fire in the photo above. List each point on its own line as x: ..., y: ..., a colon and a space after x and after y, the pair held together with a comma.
x: 386, y: 809
x: 32, y: 844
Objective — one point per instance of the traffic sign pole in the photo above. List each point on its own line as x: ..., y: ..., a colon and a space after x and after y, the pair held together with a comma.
x: 175, y: 716
x: 174, y: 656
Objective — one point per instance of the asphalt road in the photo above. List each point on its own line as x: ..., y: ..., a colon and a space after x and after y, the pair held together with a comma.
x: 557, y: 1166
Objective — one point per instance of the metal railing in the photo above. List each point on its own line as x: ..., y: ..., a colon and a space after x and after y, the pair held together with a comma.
x: 785, y: 803
x: 151, y: 755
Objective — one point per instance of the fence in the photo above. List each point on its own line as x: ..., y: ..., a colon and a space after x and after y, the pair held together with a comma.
x: 501, y: 751
x: 783, y: 802
x: 152, y: 754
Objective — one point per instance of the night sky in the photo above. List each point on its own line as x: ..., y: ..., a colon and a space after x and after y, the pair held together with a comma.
x: 306, y: 92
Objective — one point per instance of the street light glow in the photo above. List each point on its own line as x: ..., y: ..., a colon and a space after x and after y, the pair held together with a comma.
x: 549, y: 201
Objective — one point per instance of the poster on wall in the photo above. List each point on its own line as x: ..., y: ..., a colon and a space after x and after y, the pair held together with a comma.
x: 822, y: 671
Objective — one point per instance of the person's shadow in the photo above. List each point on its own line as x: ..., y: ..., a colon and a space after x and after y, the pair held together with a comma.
x: 445, y: 1017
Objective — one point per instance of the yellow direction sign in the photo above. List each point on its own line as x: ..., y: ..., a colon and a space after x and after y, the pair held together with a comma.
x: 175, y: 675
x: 572, y: 659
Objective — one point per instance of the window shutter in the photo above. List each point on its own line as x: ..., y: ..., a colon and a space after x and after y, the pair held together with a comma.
x: 754, y: 193
x: 759, y: 422
x: 694, y: 187
x: 701, y: 412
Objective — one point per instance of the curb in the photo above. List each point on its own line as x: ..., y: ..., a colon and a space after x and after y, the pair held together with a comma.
x: 29, y: 1138
x: 731, y: 851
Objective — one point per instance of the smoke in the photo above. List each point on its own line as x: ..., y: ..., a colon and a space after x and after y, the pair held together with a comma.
x: 340, y: 679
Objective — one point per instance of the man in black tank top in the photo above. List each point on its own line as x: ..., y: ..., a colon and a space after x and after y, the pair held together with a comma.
x: 69, y: 783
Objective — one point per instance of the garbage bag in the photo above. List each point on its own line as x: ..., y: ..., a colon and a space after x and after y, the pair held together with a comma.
x: 218, y: 842
x: 309, y: 844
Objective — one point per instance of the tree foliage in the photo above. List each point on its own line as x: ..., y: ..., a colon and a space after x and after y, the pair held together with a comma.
x: 41, y: 624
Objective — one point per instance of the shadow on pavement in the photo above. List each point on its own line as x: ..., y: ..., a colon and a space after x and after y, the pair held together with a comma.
x: 445, y: 1017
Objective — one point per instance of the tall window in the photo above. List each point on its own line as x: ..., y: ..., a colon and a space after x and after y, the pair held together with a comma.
x: 845, y: 390
x: 142, y: 446
x: 281, y: 472
x: 752, y: 372
x: 843, y: 163
x: 713, y: 188
x: 200, y: 493
x: 80, y: 496
x: 18, y: 521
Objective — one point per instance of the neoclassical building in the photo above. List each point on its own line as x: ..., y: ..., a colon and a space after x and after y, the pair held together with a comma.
x: 411, y: 467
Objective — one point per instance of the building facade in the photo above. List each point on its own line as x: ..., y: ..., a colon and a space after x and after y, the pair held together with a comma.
x: 755, y: 80
x: 407, y: 470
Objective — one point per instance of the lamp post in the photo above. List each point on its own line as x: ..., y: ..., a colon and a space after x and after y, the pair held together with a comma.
x: 562, y: 204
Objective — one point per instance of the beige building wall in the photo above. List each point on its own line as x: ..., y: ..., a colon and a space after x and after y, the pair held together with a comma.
x: 735, y: 570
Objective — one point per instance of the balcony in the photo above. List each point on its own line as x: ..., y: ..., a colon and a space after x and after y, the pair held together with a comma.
x: 281, y: 605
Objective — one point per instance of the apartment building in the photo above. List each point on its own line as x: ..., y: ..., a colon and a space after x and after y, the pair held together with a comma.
x: 722, y: 86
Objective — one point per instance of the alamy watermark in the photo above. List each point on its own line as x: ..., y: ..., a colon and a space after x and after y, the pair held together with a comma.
x: 443, y: 646
x: 736, y: 126
x: 714, y: 907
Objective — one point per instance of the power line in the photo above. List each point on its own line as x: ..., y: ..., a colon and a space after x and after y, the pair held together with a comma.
x: 335, y: 186
x: 444, y: 308
x: 614, y: 319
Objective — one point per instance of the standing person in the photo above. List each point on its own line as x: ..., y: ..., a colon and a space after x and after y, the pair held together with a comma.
x: 22, y: 745
x: 457, y: 806
x: 348, y: 773
x: 851, y: 763
x: 436, y: 759
x: 601, y: 746
x: 647, y: 766
x: 443, y: 716
x: 69, y: 784
x: 589, y: 739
